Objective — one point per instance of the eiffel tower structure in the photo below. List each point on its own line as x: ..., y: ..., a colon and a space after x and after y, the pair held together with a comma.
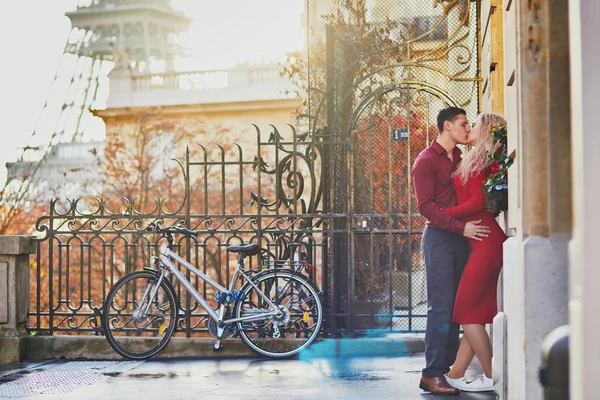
x: 127, y: 36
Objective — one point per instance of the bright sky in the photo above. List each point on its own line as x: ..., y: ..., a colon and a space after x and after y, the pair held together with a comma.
x: 33, y: 34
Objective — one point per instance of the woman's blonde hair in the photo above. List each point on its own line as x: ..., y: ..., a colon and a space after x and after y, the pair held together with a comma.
x: 476, y: 159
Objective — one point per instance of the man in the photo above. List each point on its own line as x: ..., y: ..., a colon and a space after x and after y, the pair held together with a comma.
x: 445, y: 249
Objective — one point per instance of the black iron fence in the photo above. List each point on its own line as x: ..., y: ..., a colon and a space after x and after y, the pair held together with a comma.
x: 273, y: 198
x: 281, y: 196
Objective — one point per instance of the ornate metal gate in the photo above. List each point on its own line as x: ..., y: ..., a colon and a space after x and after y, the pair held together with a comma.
x: 389, y: 67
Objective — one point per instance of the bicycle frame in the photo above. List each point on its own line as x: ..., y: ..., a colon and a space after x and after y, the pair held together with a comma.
x: 166, y: 257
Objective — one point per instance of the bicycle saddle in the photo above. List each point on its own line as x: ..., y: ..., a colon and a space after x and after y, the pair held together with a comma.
x: 246, y: 249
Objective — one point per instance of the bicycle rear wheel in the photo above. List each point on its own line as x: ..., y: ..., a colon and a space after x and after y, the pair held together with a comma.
x: 135, y: 325
x: 298, y: 324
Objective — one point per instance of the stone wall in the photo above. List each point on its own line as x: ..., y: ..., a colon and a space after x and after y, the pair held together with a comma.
x: 14, y: 294
x: 537, y: 109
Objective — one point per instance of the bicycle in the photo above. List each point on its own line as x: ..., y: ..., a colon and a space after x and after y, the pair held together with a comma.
x: 276, y: 312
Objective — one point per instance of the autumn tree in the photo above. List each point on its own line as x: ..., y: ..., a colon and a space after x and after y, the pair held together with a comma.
x: 361, y: 46
x: 19, y: 210
x: 24, y: 197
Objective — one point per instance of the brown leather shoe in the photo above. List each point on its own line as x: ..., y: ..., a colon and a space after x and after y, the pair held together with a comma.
x: 437, y: 385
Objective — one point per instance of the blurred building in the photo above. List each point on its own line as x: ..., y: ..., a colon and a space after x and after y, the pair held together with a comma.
x: 119, y: 62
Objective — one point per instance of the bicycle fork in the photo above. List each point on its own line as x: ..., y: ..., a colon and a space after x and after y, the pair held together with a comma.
x: 153, y: 293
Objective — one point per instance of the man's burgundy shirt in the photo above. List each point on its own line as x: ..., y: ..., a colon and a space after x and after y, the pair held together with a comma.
x: 432, y: 179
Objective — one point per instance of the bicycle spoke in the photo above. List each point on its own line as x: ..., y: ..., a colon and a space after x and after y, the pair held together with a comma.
x: 131, y: 331
x: 297, y: 323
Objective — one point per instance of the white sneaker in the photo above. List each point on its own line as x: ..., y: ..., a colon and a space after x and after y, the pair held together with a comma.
x: 480, y: 384
x: 456, y: 383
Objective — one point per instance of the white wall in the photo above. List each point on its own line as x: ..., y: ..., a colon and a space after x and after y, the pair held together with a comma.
x: 584, y: 305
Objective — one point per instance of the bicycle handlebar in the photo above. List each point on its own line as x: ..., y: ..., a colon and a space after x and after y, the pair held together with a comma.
x: 171, y: 229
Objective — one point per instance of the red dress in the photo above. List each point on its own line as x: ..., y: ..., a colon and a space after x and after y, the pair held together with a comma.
x: 476, y: 296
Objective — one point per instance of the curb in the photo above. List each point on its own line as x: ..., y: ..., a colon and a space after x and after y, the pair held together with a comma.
x: 42, y: 348
x: 394, y: 345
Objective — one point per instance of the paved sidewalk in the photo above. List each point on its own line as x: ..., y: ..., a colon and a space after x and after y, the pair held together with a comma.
x: 312, y: 378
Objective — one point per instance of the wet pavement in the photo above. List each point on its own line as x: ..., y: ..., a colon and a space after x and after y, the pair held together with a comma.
x: 318, y: 378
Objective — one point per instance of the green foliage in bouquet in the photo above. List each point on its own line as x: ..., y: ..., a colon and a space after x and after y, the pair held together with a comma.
x: 496, y: 185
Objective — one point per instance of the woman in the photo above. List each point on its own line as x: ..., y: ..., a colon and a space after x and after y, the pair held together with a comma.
x: 475, y: 303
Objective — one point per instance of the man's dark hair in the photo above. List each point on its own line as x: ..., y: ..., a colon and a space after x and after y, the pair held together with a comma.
x: 448, y: 114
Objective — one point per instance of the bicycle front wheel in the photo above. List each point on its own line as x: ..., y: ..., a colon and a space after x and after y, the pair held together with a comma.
x: 299, y: 318
x: 139, y: 318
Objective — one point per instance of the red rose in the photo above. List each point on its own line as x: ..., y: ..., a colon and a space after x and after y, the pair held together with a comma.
x: 495, y: 167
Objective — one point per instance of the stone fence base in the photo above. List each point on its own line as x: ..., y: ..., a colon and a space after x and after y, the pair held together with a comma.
x: 41, y: 348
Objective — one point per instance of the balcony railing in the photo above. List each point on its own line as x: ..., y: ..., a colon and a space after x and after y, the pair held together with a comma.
x: 108, y: 3
x: 240, y: 84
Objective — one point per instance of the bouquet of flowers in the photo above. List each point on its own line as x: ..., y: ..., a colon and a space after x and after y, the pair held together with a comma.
x: 496, y: 185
